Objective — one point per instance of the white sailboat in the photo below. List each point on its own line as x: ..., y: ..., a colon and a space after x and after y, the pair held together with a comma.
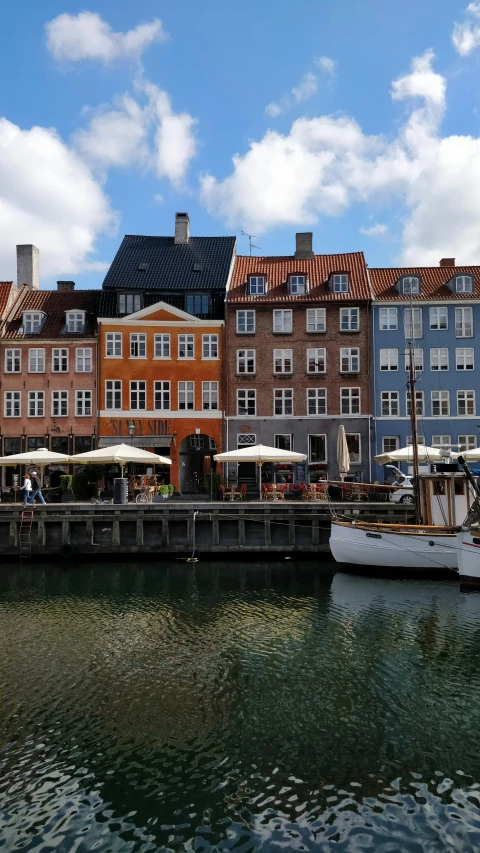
x: 468, y: 537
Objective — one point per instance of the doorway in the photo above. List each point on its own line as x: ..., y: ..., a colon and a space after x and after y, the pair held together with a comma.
x: 196, y: 461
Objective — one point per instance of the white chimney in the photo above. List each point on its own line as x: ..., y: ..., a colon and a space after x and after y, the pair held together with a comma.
x: 182, y: 228
x: 28, y: 270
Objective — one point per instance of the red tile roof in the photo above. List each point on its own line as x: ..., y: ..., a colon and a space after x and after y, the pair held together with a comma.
x: 5, y: 291
x: 317, y: 269
x: 54, y: 304
x: 433, y: 282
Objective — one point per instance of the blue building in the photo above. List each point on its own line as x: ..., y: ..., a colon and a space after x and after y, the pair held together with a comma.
x: 437, y: 310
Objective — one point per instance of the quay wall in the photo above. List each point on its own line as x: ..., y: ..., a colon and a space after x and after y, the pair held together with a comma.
x: 82, y: 529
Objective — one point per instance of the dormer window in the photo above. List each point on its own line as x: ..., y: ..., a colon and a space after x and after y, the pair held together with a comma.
x: 256, y: 285
x: 129, y: 302
x: 298, y: 285
x: 75, y: 321
x: 463, y: 284
x: 410, y: 284
x: 32, y: 322
x: 340, y: 283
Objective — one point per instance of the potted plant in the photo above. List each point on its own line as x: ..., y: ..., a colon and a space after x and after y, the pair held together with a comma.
x: 171, y: 489
x: 163, y: 492
x: 66, y: 481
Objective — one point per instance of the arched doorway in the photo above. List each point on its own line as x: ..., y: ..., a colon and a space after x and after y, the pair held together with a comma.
x: 196, y: 460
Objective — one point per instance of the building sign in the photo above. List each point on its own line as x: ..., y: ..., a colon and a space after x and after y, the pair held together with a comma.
x: 142, y: 426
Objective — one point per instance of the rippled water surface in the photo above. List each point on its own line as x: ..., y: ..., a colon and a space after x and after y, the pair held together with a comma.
x: 236, y: 707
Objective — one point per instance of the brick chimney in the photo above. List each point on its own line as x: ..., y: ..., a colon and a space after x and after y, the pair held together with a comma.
x: 303, y: 245
x: 65, y: 286
x: 182, y: 228
x: 28, y: 271
x: 447, y: 262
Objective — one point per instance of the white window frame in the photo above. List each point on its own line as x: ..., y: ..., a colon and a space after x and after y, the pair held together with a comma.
x: 210, y: 396
x: 297, y: 284
x: 75, y: 321
x: 388, y: 359
x: 442, y: 441
x: 32, y: 322
x: 83, y: 358
x: 316, y: 401
x: 283, y: 399
x: 419, y: 403
x: 162, y: 395
x: 420, y: 439
x: 463, y: 284
x: 59, y: 404
x: 349, y: 360
x: 244, y: 356
x: 309, y: 445
x: 249, y: 397
x: 390, y: 404
x: 282, y: 319
x: 390, y: 321
x: 317, y: 360
x: 417, y: 323
x: 410, y: 284
x: 138, y: 394
x: 114, y: 343
x: 282, y: 361
x: 439, y: 398
x: 439, y: 359
x: 466, y: 442
x: 246, y: 322
x: 83, y: 403
x: 349, y: 319
x: 438, y: 315
x: 246, y: 439
x: 256, y: 285
x: 210, y: 348
x: 359, y: 436
x: 464, y: 322
x: 465, y: 397
x: 161, y: 347
x: 186, y: 396
x: 12, y: 402
x: 340, y: 283
x: 417, y: 359
x: 138, y: 345
x: 13, y: 356
x: 36, y: 404
x: 350, y: 399
x: 60, y: 360
x: 186, y: 344
x: 395, y: 438
x: 316, y: 320
x: 465, y: 358
x: 36, y: 360
x: 113, y: 387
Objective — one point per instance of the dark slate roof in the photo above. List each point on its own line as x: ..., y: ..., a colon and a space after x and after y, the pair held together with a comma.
x: 171, y: 266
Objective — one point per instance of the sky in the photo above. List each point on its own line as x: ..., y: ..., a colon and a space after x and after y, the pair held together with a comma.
x: 357, y: 121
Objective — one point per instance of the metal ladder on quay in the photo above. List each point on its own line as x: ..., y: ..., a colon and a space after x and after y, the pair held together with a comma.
x: 25, y: 534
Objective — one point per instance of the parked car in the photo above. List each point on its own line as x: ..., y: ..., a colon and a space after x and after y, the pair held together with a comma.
x: 403, y: 494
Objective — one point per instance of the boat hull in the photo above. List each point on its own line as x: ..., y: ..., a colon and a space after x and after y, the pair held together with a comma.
x: 370, y: 545
x: 468, y: 545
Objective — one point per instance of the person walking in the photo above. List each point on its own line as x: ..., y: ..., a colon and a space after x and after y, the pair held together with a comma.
x: 27, y: 489
x: 37, y: 493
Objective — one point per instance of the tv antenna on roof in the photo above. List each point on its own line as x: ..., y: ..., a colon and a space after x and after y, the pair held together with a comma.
x: 250, y: 238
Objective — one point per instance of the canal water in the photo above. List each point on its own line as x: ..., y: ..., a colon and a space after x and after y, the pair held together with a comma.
x: 243, y: 707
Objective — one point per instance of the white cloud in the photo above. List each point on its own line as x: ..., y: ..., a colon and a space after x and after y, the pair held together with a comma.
x: 48, y: 197
x: 326, y: 64
x: 325, y: 164
x: 87, y: 36
x: 273, y: 109
x: 466, y: 36
x: 306, y: 88
x: 115, y: 137
x: 378, y: 230
x: 159, y: 198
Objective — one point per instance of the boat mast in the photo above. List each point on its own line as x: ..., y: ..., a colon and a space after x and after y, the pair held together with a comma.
x: 413, y: 421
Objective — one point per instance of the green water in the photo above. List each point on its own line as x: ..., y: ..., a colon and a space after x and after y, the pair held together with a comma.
x: 269, y: 707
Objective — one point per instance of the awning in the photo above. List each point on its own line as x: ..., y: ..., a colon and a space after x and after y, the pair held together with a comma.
x: 137, y: 441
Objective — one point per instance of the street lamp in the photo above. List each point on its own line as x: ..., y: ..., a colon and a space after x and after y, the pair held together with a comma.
x: 131, y: 430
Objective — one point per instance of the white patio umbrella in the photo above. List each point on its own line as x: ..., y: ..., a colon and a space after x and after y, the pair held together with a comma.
x: 119, y: 454
x: 259, y: 453
x: 343, y: 456
x: 425, y: 454
x: 470, y: 455
x: 40, y: 458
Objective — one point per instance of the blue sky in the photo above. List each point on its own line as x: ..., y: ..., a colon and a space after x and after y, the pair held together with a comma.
x: 132, y: 127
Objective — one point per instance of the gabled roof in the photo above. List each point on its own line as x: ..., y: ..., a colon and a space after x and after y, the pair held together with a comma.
x: 54, y: 304
x: 317, y: 269
x: 6, y: 291
x: 433, y: 282
x: 168, y: 313
x: 201, y: 264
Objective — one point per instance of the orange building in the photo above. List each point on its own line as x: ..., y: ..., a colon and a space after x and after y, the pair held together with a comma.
x: 160, y: 387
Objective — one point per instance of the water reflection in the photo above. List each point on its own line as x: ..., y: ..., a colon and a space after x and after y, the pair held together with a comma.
x: 260, y: 707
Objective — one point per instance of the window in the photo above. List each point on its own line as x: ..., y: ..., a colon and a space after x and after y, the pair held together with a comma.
x: 439, y: 358
x: 463, y: 284
x: 387, y: 319
x: 83, y: 360
x: 246, y: 402
x: 83, y: 404
x: 113, y: 394
x: 256, y: 285
x: 297, y: 285
x: 162, y: 346
x: 198, y: 303
x: 59, y: 404
x: 316, y: 401
x: 463, y: 323
x: 340, y: 283
x: 439, y: 317
x: 349, y: 360
x: 316, y: 320
x: 36, y: 361
x: 282, y: 321
x: 283, y: 442
x: 466, y: 403
x: 389, y: 359
x: 282, y: 361
x: 12, y: 404
x: 349, y: 319
x: 75, y: 321
x: 245, y: 322
x: 129, y: 302
x: 13, y: 361
x: 316, y: 360
x: 419, y: 403
x: 209, y: 346
x: 246, y: 361
x: 138, y: 346
x: 186, y: 346
x: 138, y: 395
x: 32, y: 322
x: 283, y: 401
x: 390, y: 443
x: 209, y: 395
x: 35, y: 443
x: 417, y: 359
x: 186, y: 395
x: 349, y: 401
x: 60, y: 360
x: 441, y: 441
x: 113, y: 345
x: 390, y: 404
x: 410, y: 284
x: 417, y: 331
x: 466, y: 442
x: 464, y: 358
x: 245, y: 439
x: 440, y: 403
x: 161, y: 395
x: 36, y: 404
x: 354, y: 446
x: 420, y: 439
x: 317, y: 449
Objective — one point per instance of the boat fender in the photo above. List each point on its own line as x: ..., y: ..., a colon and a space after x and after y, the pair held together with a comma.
x: 374, y: 535
x: 431, y: 542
